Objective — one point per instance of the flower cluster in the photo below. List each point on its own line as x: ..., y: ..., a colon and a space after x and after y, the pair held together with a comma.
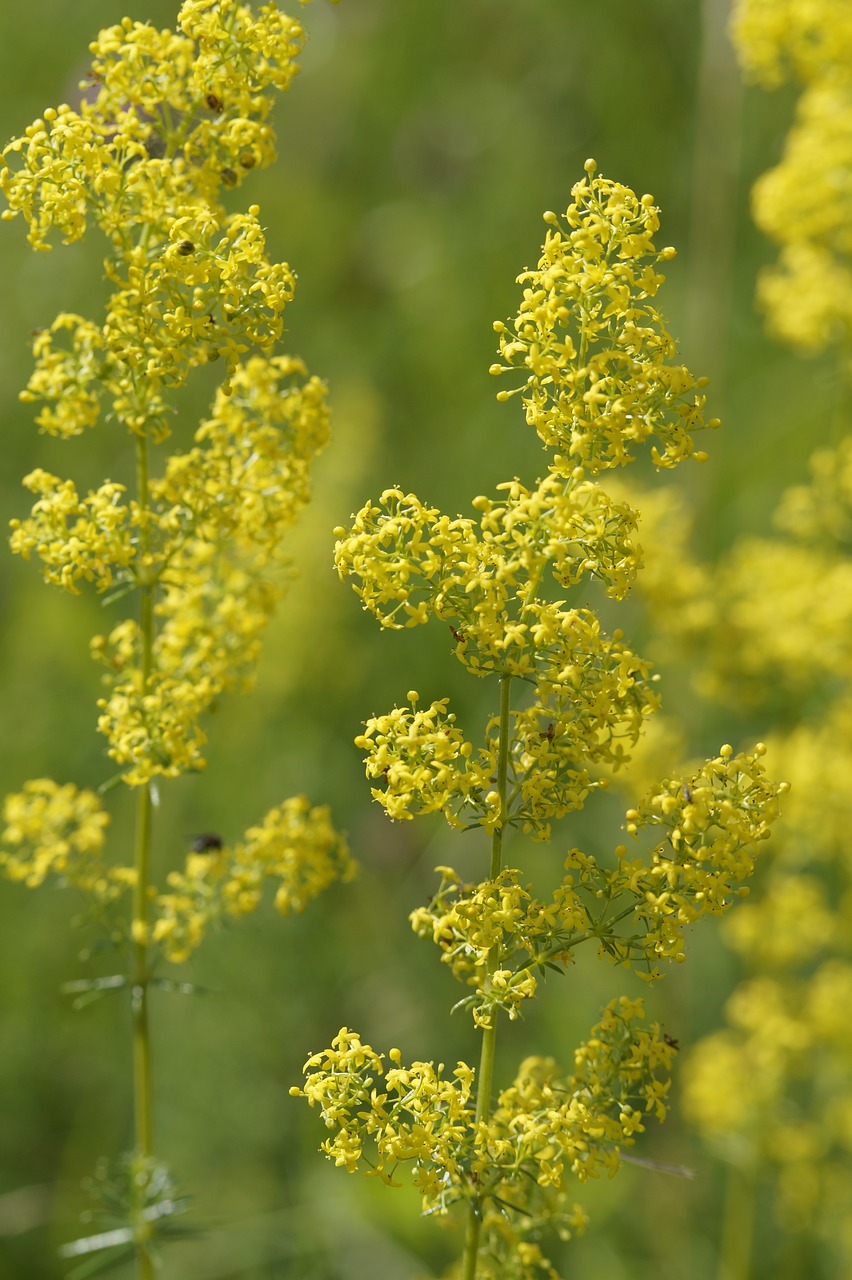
x: 59, y: 831
x: 53, y: 830
x: 715, y: 820
x: 168, y: 121
x: 594, y: 699
x: 592, y: 693
x: 413, y: 562
x: 170, y: 118
x: 425, y: 762
x: 805, y: 202
x: 601, y: 380
x: 212, y: 534
x: 596, y: 353
x: 472, y: 923
x: 296, y: 847
x: 191, y: 284
x: 488, y: 579
x: 543, y: 1126
x: 496, y: 935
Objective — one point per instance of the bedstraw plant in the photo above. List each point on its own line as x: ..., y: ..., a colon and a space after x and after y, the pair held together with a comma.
x: 593, y: 366
x: 768, y: 628
x: 186, y: 557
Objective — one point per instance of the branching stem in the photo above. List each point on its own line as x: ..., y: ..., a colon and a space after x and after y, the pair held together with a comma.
x: 140, y: 977
x: 486, y: 1061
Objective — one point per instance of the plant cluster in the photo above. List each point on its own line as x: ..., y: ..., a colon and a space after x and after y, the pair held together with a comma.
x: 186, y: 558
x: 769, y: 627
x: 594, y: 368
x: 169, y: 121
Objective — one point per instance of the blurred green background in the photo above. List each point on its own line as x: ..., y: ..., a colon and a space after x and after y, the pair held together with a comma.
x: 418, y: 149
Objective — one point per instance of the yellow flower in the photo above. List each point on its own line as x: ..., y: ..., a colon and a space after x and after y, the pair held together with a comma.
x: 295, y: 847
x: 775, y: 37
x: 805, y: 202
x: 594, y: 348
x: 60, y: 831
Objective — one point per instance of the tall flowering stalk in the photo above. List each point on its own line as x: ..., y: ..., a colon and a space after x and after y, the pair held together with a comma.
x: 770, y: 627
x: 168, y: 120
x: 598, y: 380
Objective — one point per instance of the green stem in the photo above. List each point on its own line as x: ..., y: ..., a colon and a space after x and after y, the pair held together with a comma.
x: 486, y: 1060
x: 738, y: 1223
x: 716, y: 165
x: 140, y: 984
x: 568, y: 944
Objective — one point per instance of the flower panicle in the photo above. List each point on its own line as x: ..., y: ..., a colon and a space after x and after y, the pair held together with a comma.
x: 167, y: 120
x: 295, y: 847
x: 509, y: 583
x: 58, y: 831
x: 804, y: 202
x: 598, y: 361
x: 382, y: 1113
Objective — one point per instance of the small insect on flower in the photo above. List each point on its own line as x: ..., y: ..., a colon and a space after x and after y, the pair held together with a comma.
x: 687, y: 794
x: 185, y: 248
x: 670, y: 1041
x: 206, y: 841
x: 214, y: 103
x: 155, y: 146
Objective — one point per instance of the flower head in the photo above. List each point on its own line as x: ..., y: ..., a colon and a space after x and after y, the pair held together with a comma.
x: 598, y: 359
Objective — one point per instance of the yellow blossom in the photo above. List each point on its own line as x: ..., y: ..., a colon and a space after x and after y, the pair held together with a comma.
x: 295, y: 847
x: 601, y: 378
x: 598, y: 359
x: 805, y: 202
x: 58, y: 830
x: 544, y: 1126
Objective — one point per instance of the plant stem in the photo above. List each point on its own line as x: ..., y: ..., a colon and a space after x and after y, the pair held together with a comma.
x: 489, y: 1034
x: 716, y: 165
x: 738, y: 1223
x: 142, y: 1091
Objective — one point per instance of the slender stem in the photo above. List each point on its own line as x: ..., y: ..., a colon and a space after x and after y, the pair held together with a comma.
x: 502, y: 781
x: 738, y: 1223
x: 489, y: 1034
x: 716, y: 164
x: 140, y: 984
x: 568, y: 944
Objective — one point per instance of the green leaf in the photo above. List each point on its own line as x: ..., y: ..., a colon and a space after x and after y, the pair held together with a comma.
x: 104, y: 1256
x: 89, y: 989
